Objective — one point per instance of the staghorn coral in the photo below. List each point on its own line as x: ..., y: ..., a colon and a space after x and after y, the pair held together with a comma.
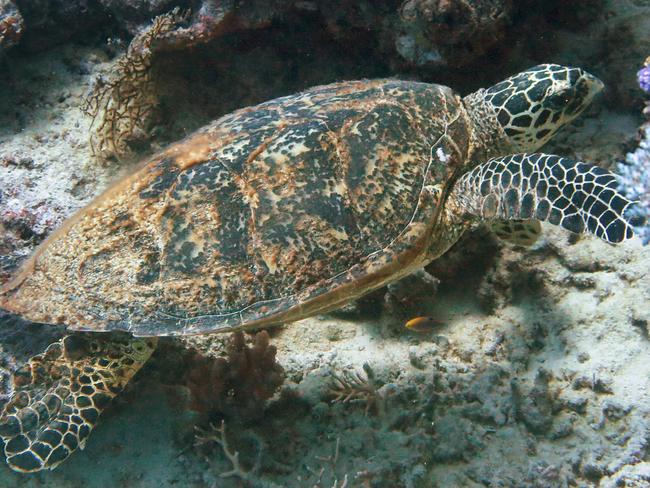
x: 239, y: 384
x: 123, y: 105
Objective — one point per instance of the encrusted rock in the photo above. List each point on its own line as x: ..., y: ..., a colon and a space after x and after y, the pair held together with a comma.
x: 451, y: 32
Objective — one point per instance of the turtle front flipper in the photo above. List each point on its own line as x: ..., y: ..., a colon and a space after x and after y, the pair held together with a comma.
x: 519, y: 232
x: 59, y: 394
x: 577, y: 196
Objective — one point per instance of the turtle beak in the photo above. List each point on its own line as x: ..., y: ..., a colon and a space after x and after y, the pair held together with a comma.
x: 586, y: 87
x: 594, y: 85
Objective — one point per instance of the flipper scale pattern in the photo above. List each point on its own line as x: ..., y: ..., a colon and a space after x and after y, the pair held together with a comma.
x: 572, y: 194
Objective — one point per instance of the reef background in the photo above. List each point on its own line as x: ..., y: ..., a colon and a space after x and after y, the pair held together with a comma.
x: 539, y: 371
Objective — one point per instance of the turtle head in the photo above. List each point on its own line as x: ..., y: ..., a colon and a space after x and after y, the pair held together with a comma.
x: 531, y: 106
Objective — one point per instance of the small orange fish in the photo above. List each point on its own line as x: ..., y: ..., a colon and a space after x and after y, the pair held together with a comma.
x: 423, y: 324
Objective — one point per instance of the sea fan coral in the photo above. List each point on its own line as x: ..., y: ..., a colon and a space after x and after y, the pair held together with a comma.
x: 239, y: 384
x: 124, y: 104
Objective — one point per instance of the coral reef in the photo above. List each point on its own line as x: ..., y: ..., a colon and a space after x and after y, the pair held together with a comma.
x: 133, y: 14
x: 239, y: 384
x: 331, y: 464
x: 538, y: 373
x: 422, y: 36
x: 123, y: 103
x: 42, y: 138
x: 435, y: 40
x: 237, y: 387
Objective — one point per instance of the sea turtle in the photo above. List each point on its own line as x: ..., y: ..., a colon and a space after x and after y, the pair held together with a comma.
x: 285, y: 210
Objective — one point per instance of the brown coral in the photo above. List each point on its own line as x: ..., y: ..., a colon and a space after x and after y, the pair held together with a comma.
x: 239, y: 384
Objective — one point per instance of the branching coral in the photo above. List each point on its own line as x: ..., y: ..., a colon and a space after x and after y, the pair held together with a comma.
x: 331, y: 460
x: 218, y: 435
x: 239, y: 384
x: 352, y: 386
x: 123, y: 105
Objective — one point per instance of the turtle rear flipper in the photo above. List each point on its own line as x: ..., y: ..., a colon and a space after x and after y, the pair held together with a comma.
x: 577, y: 196
x: 59, y: 394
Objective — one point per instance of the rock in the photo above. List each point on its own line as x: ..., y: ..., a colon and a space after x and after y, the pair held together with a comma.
x: 637, y: 475
x: 450, y: 33
x: 50, y: 22
x: 452, y: 439
x: 614, y: 410
x: 132, y: 14
x: 11, y: 25
x: 536, y: 405
x: 409, y: 294
x: 577, y: 404
x: 593, y: 471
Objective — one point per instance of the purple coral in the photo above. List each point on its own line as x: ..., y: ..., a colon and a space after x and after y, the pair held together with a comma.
x: 643, y: 77
x: 635, y: 183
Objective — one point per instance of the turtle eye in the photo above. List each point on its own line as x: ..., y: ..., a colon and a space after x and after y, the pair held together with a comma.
x: 558, y: 100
